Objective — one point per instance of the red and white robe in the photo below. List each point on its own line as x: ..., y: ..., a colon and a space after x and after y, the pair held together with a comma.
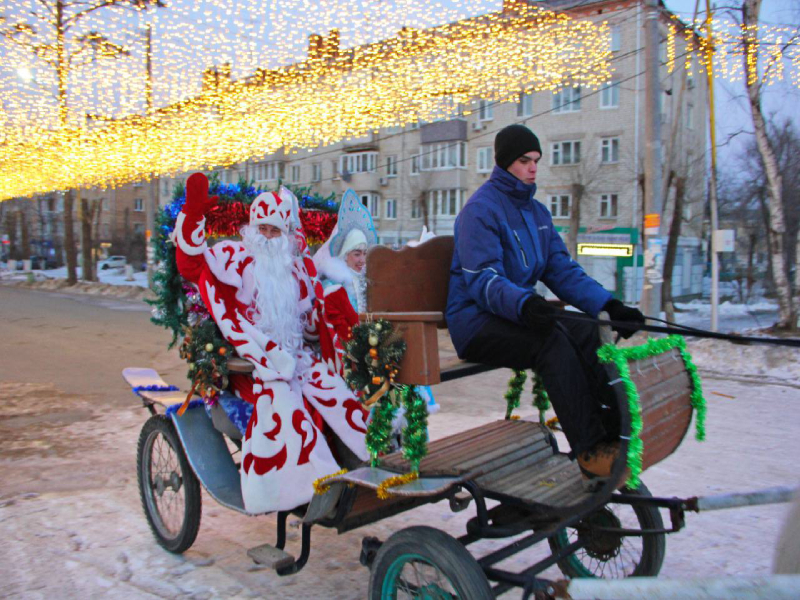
x: 296, y: 395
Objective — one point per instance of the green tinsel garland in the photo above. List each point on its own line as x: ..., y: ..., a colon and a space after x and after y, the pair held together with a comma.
x: 415, y: 435
x: 514, y: 391
x: 653, y: 347
x: 540, y: 398
x: 379, y: 429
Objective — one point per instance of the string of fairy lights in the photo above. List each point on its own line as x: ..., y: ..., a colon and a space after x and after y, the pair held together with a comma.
x: 131, y: 90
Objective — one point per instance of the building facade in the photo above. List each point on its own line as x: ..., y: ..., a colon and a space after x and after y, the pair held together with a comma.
x: 591, y: 174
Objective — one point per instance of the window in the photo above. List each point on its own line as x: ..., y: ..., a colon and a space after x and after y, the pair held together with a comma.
x: 485, y: 110
x: 164, y: 186
x: 415, y: 164
x: 444, y: 155
x: 391, y: 166
x: 560, y: 205
x: 609, y: 150
x: 485, y: 159
x: 138, y: 228
x: 358, y: 162
x: 525, y: 105
x: 609, y: 95
x: 316, y: 172
x: 416, y: 209
x: 373, y: 203
x: 445, y: 203
x: 269, y: 171
x: 138, y: 204
x: 567, y: 100
x: 608, y: 206
x: 295, y: 173
x: 391, y: 208
x: 615, y: 38
x: 565, y: 153
x: 689, y: 116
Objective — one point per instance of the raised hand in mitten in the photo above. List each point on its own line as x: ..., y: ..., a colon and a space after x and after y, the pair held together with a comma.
x: 539, y: 315
x: 617, y: 311
x: 197, y: 201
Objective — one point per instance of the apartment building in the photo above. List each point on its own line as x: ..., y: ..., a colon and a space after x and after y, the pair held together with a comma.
x: 593, y: 154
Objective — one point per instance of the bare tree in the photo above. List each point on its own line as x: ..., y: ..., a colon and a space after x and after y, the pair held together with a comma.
x: 785, y: 143
x: 757, y: 69
x: 54, y: 40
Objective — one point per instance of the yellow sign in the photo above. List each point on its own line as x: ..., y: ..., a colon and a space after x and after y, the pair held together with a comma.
x: 605, y: 249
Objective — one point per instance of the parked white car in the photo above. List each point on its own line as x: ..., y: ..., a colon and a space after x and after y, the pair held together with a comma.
x: 112, y: 262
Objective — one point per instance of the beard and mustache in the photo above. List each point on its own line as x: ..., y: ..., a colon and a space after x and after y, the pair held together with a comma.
x: 276, y: 309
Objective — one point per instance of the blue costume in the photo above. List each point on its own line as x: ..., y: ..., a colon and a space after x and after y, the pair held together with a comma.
x: 505, y: 243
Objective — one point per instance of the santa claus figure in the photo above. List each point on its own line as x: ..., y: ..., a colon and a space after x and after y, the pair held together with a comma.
x: 265, y: 298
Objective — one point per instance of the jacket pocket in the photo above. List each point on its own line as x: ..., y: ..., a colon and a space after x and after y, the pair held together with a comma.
x: 521, y: 250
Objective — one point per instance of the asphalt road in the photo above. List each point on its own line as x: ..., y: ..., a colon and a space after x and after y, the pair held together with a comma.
x: 72, y: 525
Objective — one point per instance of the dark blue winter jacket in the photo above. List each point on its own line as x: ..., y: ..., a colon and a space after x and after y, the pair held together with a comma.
x: 504, y: 243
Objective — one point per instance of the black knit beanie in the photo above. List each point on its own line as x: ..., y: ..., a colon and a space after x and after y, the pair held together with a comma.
x: 512, y: 142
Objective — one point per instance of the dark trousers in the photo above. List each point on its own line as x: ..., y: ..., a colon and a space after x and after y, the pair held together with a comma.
x: 566, y: 360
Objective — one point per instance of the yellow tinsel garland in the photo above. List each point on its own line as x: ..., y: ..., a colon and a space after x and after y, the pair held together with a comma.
x: 319, y: 484
x: 383, y: 488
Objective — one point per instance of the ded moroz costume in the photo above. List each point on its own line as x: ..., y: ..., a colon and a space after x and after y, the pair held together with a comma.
x: 297, y: 396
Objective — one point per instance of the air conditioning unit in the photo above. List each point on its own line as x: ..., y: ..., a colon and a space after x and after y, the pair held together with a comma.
x: 384, y: 181
x: 477, y: 126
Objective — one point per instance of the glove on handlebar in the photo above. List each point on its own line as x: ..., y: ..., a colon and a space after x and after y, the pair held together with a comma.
x: 197, y: 201
x: 619, y: 312
x: 539, y: 315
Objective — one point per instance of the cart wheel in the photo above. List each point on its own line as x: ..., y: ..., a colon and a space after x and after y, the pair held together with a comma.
x: 611, y: 555
x: 168, y: 487
x: 423, y: 562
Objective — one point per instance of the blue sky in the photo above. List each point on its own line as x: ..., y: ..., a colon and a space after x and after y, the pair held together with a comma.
x: 733, y: 111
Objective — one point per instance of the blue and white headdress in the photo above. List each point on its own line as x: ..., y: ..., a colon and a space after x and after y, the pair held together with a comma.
x: 352, y: 216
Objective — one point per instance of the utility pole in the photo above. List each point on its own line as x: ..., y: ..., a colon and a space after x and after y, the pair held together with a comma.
x: 653, y: 251
x: 151, y: 197
x: 709, y: 58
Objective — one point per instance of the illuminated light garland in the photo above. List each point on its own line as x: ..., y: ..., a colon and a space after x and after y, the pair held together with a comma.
x: 221, y: 97
x: 412, y: 75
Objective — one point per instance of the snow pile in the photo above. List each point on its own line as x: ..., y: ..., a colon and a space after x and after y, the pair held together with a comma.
x: 763, y: 363
x: 728, y: 308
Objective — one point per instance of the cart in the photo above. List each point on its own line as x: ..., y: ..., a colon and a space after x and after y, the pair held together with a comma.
x: 510, y: 473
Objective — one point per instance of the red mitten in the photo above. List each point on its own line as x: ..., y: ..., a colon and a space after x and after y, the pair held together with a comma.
x: 197, y: 201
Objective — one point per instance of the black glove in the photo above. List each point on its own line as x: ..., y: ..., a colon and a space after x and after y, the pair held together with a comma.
x: 619, y: 312
x: 539, y: 315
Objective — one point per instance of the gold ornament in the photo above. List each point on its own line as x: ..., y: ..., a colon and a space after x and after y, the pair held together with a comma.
x: 209, y: 347
x: 372, y: 339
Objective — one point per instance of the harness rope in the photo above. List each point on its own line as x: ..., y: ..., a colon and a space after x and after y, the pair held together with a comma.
x: 685, y: 330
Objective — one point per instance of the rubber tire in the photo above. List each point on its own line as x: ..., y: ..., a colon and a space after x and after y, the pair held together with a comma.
x: 438, y: 548
x: 192, y: 498
x: 653, y: 546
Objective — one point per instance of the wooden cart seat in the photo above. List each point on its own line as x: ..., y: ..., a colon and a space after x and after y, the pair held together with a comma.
x: 511, y: 458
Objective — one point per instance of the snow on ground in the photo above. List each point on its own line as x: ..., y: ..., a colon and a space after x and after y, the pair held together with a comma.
x: 106, y: 276
x: 733, y: 316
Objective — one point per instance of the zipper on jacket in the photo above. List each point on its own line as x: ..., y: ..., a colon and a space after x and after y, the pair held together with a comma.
x: 521, y: 251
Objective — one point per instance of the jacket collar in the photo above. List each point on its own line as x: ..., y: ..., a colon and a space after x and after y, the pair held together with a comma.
x: 520, y: 193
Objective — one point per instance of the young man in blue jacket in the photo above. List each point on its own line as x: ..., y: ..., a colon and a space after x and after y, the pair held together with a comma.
x: 505, y: 243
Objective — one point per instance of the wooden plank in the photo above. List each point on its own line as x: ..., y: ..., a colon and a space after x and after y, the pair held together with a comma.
x: 468, y: 448
x: 507, y: 460
x: 546, y: 469
x: 396, y: 460
x: 503, y: 476
x: 495, y: 451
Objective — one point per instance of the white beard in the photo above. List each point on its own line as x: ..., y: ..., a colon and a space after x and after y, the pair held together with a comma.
x: 276, y: 307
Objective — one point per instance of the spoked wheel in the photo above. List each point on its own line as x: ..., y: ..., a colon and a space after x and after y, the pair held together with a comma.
x: 614, y: 555
x: 169, y: 489
x: 426, y: 564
